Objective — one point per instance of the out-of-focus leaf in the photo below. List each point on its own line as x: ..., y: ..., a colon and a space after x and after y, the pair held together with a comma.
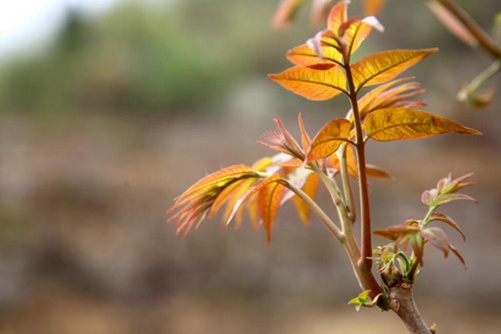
x: 384, y: 66
x: 320, y: 10
x: 312, y: 84
x: 373, y: 7
x: 455, y: 26
x: 310, y: 187
x: 376, y: 172
x: 329, y: 138
x: 402, y: 123
x: 286, y: 12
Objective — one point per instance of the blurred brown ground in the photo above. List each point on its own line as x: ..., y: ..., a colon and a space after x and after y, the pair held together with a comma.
x: 85, y: 247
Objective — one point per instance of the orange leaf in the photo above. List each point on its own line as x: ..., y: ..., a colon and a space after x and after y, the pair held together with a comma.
x: 214, y: 181
x: 310, y: 188
x: 256, y: 188
x: 378, y: 98
x: 355, y: 35
x: 373, y: 7
x: 351, y: 161
x: 337, y: 16
x: 269, y: 200
x: 329, y: 138
x: 402, y: 123
x: 384, y: 66
x: 304, y: 55
x: 376, y: 172
x: 312, y: 84
x: 235, y: 195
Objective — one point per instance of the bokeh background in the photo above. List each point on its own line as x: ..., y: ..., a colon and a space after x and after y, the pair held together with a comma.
x: 109, y: 114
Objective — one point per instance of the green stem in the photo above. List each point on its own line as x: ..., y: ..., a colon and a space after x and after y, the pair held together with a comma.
x: 331, y: 226
x: 474, y: 84
x: 348, y: 191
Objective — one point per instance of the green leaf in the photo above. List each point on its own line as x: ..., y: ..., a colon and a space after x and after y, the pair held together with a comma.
x: 329, y: 138
x: 313, y: 84
x: 384, y: 66
x: 363, y: 300
x: 403, y: 123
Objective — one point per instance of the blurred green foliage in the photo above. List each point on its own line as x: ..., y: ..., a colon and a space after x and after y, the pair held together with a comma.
x: 135, y: 58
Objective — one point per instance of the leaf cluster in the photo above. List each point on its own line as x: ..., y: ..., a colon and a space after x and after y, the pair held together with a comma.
x: 415, y: 234
x: 322, y: 70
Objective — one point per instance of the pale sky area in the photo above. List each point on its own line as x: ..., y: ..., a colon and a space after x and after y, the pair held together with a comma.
x: 26, y: 23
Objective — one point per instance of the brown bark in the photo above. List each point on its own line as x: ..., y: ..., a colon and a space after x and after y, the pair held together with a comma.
x: 402, y: 303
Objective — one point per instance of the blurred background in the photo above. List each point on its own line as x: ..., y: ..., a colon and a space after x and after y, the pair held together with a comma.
x: 111, y: 108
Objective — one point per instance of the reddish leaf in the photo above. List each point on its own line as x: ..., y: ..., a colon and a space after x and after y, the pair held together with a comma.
x: 282, y: 141
x: 329, y: 138
x: 448, y: 186
x: 395, y: 232
x: 402, y: 123
x: 437, y: 238
x: 449, y: 221
x: 384, y: 66
x: 269, y: 199
x: 312, y: 84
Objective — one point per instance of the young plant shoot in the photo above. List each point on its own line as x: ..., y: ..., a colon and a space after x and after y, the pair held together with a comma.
x: 323, y: 69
